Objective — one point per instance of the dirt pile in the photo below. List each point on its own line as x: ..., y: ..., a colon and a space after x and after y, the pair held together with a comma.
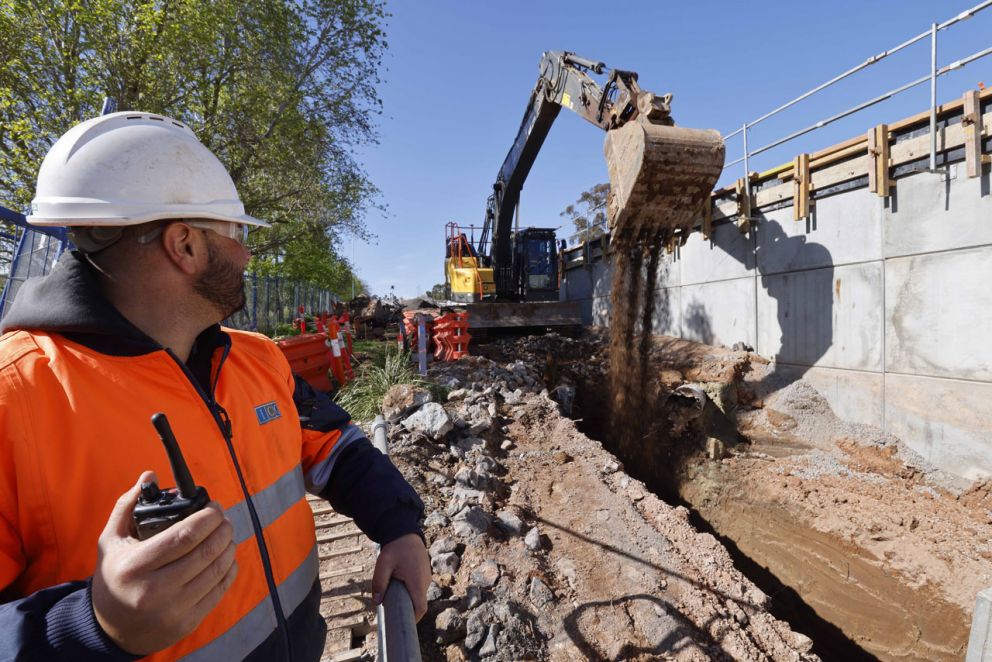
x: 544, y: 548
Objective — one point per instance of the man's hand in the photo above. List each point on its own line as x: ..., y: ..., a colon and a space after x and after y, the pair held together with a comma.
x: 149, y: 594
x: 404, y: 559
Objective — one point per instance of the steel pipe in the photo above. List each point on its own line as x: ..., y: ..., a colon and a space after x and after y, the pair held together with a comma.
x: 396, y: 625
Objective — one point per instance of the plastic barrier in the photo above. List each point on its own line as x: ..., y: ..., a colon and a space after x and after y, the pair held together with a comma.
x: 308, y: 357
x: 451, y: 336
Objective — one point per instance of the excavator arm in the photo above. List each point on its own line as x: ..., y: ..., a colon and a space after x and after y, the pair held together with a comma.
x: 638, y: 159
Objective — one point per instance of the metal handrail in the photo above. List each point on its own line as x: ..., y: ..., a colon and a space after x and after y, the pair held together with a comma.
x: 932, y: 76
x: 396, y: 625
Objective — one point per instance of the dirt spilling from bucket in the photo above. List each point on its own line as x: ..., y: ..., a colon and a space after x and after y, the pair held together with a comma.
x: 635, y: 259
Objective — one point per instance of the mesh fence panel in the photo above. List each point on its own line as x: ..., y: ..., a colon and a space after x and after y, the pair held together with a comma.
x: 271, y: 301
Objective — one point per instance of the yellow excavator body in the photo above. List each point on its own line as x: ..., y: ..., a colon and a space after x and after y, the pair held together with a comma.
x: 467, y: 281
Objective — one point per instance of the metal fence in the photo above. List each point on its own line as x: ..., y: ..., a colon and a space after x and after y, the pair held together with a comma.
x: 934, y: 72
x: 27, y: 252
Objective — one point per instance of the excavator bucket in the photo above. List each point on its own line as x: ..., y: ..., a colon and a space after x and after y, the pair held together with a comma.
x: 659, y: 178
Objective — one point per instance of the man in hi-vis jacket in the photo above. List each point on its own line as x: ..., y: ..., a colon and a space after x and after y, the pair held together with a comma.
x: 127, y: 326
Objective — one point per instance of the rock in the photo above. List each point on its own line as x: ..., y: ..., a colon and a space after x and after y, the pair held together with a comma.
x: 442, y: 545
x: 533, y: 540
x: 539, y: 593
x: 434, y: 592
x: 506, y: 445
x: 431, y: 419
x: 566, y: 568
x: 513, y: 398
x: 508, y: 521
x: 481, y: 425
x: 486, y: 575
x: 454, y: 507
x: 457, y: 394
x: 465, y: 494
x: 475, y: 630
x: 436, y: 519
x: 489, y: 648
x: 464, y: 476
x: 487, y: 466
x: 445, y: 563
x: 491, y: 409
x: 449, y: 625
x: 561, y: 457
x: 611, y: 467
x: 403, y: 399
x: 471, y: 521
x: 474, y: 596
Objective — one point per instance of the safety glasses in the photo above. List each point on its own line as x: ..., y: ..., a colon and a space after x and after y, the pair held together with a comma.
x: 236, y: 231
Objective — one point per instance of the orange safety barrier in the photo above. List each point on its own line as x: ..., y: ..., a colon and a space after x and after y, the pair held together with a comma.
x: 451, y: 336
x: 336, y: 334
x: 337, y: 358
x: 308, y: 357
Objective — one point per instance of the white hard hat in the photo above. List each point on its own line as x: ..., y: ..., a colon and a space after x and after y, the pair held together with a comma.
x: 130, y: 168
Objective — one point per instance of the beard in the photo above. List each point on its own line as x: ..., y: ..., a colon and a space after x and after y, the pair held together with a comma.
x: 222, y: 284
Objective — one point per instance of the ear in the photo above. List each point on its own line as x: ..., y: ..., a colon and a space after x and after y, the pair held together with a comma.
x: 185, y: 248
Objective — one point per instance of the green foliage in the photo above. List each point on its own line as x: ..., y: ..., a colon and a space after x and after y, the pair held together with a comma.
x: 588, y: 213
x: 283, y: 91
x: 362, y: 398
x: 439, y: 292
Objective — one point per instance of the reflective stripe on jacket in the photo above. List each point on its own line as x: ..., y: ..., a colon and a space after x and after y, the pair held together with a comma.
x: 76, y: 433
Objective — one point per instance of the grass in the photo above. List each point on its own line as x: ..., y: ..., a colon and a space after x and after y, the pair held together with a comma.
x: 362, y: 398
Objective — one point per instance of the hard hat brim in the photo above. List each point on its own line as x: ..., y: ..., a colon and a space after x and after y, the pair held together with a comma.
x: 120, y: 221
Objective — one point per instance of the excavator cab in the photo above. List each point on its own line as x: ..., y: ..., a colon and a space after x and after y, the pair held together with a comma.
x: 535, y: 265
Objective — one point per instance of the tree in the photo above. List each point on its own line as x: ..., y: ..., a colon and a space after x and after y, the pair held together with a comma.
x: 588, y: 213
x: 283, y: 91
x: 439, y: 292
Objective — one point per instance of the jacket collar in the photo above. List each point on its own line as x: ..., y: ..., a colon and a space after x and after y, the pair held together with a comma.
x: 68, y: 301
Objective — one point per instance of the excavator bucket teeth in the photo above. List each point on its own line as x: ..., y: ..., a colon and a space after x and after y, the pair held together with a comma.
x: 659, y: 177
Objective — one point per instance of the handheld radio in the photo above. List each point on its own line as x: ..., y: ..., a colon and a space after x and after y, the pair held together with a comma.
x: 158, y: 509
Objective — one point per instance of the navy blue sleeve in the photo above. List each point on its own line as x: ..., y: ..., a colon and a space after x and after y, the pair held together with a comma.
x: 56, y: 623
x: 363, y: 484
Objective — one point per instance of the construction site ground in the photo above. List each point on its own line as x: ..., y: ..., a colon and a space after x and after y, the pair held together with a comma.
x: 758, y: 526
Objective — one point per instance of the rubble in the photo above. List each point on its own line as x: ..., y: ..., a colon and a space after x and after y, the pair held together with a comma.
x: 539, y: 553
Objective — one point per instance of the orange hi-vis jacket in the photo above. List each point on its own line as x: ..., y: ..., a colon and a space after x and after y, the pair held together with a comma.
x: 75, y: 433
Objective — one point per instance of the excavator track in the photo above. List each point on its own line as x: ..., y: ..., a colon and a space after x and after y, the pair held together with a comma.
x: 659, y: 178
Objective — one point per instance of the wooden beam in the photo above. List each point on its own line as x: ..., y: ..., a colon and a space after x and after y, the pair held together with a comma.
x: 973, y: 132
x: 800, y: 187
x: 879, y: 161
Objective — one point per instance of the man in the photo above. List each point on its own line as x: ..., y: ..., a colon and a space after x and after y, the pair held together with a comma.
x: 123, y: 328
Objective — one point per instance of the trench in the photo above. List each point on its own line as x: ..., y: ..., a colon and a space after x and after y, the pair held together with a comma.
x: 876, y: 617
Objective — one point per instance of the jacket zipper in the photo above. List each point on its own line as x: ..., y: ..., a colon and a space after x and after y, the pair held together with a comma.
x: 224, y: 423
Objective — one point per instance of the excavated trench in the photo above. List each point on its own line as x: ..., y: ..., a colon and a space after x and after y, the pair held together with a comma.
x: 831, y: 587
x: 591, y: 412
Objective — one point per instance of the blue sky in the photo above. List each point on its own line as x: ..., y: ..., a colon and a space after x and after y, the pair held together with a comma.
x: 458, y: 75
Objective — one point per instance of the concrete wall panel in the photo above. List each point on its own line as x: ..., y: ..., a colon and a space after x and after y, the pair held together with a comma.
x: 667, y: 318
x: 720, y: 313
x: 948, y: 422
x: 934, y: 213
x: 828, y: 317
x: 939, y: 314
x: 842, y: 229
x: 728, y: 255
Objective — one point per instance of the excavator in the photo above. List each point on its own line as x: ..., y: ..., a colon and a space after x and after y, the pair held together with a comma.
x: 660, y: 175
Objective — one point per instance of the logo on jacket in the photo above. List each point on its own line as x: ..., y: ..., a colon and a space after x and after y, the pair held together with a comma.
x: 267, y: 412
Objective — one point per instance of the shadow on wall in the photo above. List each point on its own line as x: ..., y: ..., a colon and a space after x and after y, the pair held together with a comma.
x: 802, y: 285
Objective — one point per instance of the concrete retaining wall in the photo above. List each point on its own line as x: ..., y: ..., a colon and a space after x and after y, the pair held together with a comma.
x: 884, y: 305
